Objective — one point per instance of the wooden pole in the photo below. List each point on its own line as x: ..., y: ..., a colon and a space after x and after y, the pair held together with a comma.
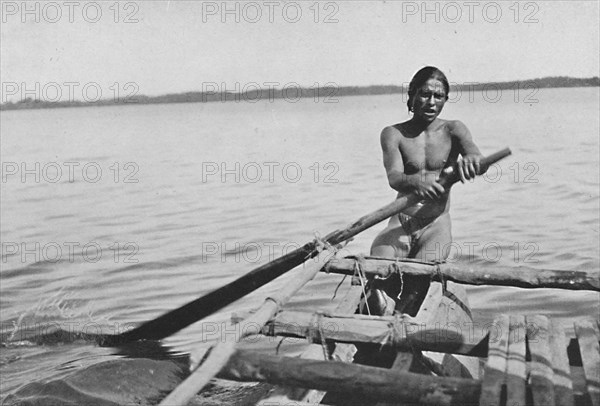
x: 378, y: 384
x: 493, y: 274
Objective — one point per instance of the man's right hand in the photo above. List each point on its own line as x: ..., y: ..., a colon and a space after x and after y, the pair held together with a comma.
x: 426, y: 186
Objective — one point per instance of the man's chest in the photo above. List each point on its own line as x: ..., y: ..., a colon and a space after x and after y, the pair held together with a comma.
x: 427, y: 151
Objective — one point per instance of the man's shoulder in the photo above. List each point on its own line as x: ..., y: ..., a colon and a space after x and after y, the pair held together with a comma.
x: 391, y: 137
x: 456, y: 127
x: 392, y: 131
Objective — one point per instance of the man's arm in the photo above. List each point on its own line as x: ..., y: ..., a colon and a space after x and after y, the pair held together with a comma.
x: 423, y: 184
x: 469, y: 165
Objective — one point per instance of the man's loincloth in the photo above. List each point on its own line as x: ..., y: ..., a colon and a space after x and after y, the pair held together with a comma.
x: 415, y: 227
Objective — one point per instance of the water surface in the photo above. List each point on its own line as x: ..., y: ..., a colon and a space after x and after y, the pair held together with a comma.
x: 179, y: 199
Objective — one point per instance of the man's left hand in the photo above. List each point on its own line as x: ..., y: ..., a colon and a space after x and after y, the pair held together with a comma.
x: 468, y: 167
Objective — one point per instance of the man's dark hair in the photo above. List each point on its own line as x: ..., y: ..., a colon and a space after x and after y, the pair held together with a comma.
x: 422, y: 76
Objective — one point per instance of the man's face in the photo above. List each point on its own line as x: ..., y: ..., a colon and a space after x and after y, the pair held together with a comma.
x: 429, y: 100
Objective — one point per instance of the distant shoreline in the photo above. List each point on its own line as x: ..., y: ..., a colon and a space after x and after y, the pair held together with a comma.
x: 328, y: 91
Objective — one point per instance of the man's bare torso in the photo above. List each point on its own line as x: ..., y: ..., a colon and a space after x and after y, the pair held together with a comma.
x: 430, y: 150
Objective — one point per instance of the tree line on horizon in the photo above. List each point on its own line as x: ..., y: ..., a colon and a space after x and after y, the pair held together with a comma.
x: 320, y: 93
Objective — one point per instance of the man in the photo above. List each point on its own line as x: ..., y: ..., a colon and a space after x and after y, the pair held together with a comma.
x: 414, y: 154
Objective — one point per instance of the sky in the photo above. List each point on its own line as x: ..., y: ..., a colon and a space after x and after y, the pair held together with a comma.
x: 159, y: 47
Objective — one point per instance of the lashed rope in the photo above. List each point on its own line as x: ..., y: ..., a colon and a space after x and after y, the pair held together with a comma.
x: 438, y: 272
x: 338, y: 287
x: 315, y: 330
x: 399, y: 270
x: 397, y: 331
x: 322, y: 245
x: 358, y: 272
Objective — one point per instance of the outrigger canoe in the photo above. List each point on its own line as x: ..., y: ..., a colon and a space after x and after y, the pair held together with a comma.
x: 433, y: 358
x: 366, y: 353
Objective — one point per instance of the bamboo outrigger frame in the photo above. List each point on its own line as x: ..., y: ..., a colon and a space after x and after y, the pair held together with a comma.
x: 528, y: 358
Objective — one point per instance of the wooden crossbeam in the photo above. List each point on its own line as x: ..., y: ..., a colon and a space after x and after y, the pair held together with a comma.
x: 387, y: 330
x: 522, y: 277
x: 378, y: 384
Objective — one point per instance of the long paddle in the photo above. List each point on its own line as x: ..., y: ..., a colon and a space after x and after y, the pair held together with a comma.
x: 176, y: 320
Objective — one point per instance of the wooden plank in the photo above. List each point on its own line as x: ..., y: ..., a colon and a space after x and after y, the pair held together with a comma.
x: 541, y: 375
x: 403, y: 361
x: 522, y: 277
x: 563, y: 386
x: 495, y: 366
x: 378, y: 384
x: 430, y: 304
x: 516, y: 370
x: 351, y: 300
x: 588, y: 336
x: 453, y: 315
x: 345, y: 352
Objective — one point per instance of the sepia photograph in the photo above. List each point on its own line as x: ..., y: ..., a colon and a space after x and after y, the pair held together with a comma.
x: 292, y: 203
